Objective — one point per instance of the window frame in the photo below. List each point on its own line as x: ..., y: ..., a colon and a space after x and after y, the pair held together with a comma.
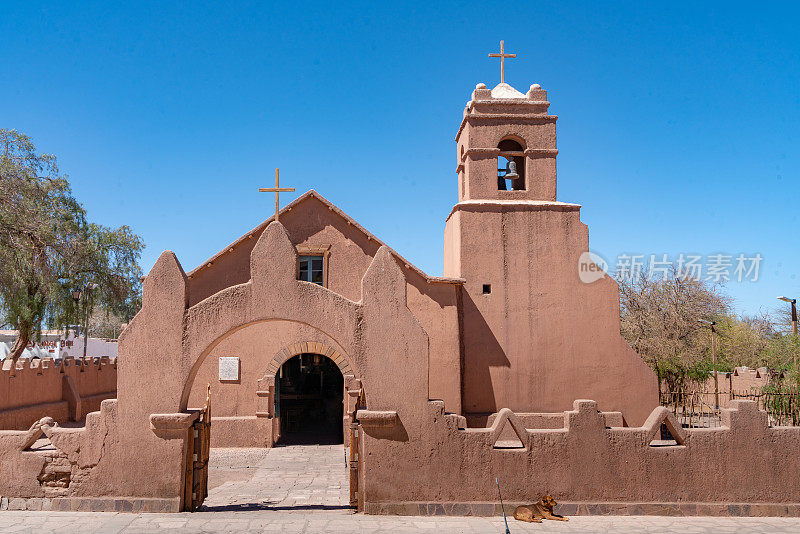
x: 319, y: 251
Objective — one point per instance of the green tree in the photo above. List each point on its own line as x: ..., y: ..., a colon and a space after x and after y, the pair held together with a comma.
x: 783, y: 349
x: 744, y: 339
x: 48, y: 248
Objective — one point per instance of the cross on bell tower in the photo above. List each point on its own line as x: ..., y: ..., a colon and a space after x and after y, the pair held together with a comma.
x: 277, y: 190
x: 502, y: 55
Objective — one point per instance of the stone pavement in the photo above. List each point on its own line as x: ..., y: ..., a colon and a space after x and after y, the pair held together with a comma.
x: 303, y: 489
x: 294, y: 478
x: 315, y: 521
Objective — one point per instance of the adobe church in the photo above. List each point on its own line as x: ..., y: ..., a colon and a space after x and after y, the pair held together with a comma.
x: 507, y: 367
x: 509, y: 325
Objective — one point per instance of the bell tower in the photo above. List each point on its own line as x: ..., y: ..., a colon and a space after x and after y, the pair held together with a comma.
x: 503, y: 131
x: 534, y: 336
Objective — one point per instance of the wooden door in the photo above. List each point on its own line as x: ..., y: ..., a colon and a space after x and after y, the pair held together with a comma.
x: 197, y: 456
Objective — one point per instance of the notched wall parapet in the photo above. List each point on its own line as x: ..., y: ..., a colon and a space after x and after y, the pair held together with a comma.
x: 65, y: 389
x: 584, y: 459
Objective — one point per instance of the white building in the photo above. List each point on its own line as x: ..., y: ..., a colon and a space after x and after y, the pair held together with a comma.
x: 57, y: 344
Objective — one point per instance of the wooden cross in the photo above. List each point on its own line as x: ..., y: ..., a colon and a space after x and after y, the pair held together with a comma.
x: 277, y: 190
x: 502, y: 55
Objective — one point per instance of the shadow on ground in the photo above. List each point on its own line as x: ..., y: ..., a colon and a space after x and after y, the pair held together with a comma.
x: 258, y: 506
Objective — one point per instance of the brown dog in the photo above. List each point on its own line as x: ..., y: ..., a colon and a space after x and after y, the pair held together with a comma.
x: 534, y: 513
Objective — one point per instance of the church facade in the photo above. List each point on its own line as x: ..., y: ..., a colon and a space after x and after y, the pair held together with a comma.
x: 309, y: 325
x: 509, y: 325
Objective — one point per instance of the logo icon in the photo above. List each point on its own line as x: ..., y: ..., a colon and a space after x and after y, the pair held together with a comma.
x: 591, y: 267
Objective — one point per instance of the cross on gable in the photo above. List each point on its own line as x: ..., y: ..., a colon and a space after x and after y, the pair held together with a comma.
x: 502, y: 55
x: 277, y: 190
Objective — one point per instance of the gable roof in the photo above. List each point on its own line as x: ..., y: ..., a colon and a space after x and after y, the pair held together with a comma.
x: 334, y: 209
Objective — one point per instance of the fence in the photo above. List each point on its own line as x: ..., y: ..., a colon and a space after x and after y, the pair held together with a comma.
x: 783, y: 408
x: 699, y: 409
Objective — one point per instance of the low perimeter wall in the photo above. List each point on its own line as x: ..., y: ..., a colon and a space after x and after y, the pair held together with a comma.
x: 64, y: 389
x: 744, y: 467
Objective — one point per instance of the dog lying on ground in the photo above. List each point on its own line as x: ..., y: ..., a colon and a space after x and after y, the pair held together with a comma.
x: 534, y: 513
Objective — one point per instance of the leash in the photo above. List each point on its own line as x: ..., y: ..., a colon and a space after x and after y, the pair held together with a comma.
x: 501, y: 504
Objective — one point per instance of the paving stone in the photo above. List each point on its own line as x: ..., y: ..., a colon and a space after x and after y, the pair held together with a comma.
x: 313, y: 477
x: 16, y: 504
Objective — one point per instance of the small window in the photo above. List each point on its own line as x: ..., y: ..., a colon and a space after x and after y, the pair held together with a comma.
x: 311, y: 269
x: 487, y: 288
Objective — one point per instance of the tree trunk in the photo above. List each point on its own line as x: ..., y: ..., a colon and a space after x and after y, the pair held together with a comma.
x: 19, y: 345
x: 658, y: 376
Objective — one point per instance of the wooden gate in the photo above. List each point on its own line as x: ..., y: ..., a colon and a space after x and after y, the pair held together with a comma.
x: 355, y: 439
x: 355, y: 447
x: 197, y: 454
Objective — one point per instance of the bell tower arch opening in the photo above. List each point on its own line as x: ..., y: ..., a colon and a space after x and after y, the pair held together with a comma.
x: 510, y: 166
x: 309, y: 400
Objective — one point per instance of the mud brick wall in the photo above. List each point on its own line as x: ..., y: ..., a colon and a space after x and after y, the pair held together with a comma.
x: 65, y: 390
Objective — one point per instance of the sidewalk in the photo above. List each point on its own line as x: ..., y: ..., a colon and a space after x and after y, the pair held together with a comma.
x: 313, y: 522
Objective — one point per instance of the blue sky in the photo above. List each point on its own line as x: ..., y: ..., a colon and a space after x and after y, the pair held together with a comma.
x: 678, y: 131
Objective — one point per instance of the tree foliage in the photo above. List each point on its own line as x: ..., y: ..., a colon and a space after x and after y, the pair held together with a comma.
x: 106, y: 324
x: 660, y: 319
x: 48, y: 247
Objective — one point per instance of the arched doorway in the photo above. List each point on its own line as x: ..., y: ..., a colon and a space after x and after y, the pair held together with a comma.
x: 309, y: 400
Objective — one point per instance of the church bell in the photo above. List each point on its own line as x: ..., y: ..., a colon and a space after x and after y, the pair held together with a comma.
x: 511, y: 170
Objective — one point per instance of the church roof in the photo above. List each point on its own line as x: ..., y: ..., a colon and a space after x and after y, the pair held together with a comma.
x: 503, y: 90
x: 334, y: 209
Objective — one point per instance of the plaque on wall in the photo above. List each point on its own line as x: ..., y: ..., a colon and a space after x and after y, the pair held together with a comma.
x: 228, y: 368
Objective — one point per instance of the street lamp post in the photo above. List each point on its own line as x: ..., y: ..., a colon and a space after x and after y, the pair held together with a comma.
x: 713, y: 359
x: 793, y: 303
x: 76, y: 298
x: 87, y: 292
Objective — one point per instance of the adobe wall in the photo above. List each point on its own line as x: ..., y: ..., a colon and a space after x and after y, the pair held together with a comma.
x: 542, y: 337
x: 380, y: 339
x: 131, y: 454
x: 746, y: 379
x: 65, y: 390
x: 308, y: 223
x: 435, y: 306
x: 742, y: 468
x: 743, y: 381
x: 311, y: 223
x: 237, y: 417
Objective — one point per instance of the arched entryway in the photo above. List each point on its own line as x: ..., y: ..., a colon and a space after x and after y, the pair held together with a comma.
x: 309, y: 400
